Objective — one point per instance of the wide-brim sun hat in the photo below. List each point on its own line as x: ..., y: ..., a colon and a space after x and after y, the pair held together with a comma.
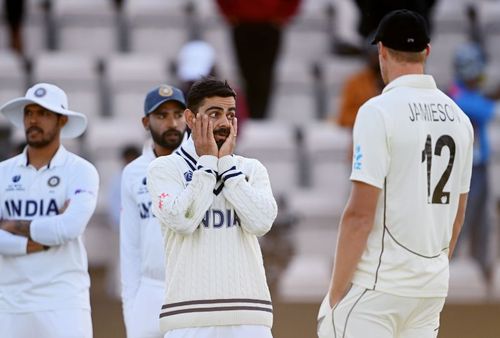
x: 51, y: 98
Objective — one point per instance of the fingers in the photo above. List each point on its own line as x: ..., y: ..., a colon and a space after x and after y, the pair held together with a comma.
x: 235, y: 126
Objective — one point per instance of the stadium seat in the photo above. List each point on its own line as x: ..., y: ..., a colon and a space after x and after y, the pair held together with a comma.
x: 129, y: 77
x: 87, y: 27
x: 273, y: 144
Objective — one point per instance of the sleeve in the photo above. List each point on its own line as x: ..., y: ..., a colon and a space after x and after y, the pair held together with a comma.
x: 130, y: 262
x: 371, y: 156
x: 467, y: 170
x: 177, y: 207
x: 82, y: 195
x: 252, y: 201
x: 12, y: 245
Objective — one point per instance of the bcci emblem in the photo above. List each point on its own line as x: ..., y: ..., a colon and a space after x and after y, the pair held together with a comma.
x: 165, y: 90
x: 53, y: 181
x: 16, y: 178
x: 188, y: 175
x: 40, y: 92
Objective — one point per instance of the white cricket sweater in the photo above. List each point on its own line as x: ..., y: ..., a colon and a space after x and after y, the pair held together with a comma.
x: 214, y: 268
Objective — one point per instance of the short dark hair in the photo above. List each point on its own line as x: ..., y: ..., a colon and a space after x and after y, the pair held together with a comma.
x: 207, y: 87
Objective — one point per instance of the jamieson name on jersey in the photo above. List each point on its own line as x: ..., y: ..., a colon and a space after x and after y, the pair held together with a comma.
x: 431, y: 112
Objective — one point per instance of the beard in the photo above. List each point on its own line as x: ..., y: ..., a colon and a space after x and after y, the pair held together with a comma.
x: 170, y: 139
x: 46, y: 138
x: 222, y: 132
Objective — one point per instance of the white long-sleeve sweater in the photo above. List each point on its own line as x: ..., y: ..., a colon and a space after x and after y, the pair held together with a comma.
x: 214, y: 267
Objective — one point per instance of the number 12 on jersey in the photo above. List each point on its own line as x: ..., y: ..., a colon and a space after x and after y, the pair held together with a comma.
x: 438, y: 196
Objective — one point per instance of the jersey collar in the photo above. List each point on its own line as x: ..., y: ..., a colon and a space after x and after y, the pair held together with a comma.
x: 412, y: 80
x: 188, y: 153
x: 57, y: 160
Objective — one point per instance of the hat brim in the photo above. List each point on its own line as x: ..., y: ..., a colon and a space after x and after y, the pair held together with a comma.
x: 14, y: 112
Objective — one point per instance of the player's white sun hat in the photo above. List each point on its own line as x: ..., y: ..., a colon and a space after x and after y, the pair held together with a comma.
x: 52, y: 98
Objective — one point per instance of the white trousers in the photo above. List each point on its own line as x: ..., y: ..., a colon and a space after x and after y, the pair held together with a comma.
x: 366, y: 313
x: 144, y: 321
x: 237, y: 331
x: 47, y: 324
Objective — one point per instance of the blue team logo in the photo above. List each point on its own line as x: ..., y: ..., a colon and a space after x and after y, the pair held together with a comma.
x: 188, y: 175
x: 53, y: 181
x: 144, y: 181
x: 40, y: 92
x: 16, y: 178
x: 358, y: 156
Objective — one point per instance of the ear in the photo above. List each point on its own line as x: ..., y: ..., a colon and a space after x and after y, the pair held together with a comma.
x: 427, y: 50
x: 189, y: 116
x: 63, y: 119
x: 382, y: 51
x: 145, y: 122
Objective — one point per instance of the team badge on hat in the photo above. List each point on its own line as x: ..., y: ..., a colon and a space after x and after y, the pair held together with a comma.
x: 165, y: 91
x: 40, y: 92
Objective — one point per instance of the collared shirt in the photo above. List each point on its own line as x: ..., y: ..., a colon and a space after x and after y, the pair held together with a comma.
x: 415, y: 144
x: 141, y: 240
x: 56, y: 278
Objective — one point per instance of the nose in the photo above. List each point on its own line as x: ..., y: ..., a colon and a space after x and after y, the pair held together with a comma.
x: 171, y: 121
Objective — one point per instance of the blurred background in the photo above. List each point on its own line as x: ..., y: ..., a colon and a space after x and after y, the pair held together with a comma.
x: 301, y: 69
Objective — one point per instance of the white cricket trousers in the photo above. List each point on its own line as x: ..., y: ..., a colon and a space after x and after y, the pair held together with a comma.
x: 236, y: 331
x: 72, y: 323
x: 144, y: 321
x: 366, y: 313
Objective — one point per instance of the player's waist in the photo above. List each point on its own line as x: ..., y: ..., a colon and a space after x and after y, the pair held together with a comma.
x: 215, y: 312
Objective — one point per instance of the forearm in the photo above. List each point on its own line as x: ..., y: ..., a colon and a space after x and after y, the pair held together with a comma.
x: 253, y: 203
x: 457, y: 224
x: 351, y: 243
x: 256, y: 210
x: 179, y: 207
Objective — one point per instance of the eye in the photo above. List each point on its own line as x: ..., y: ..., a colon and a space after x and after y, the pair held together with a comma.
x: 231, y: 116
x: 161, y: 116
x: 179, y: 115
x: 212, y: 115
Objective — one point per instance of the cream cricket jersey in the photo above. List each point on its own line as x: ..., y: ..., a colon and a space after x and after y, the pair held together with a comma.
x: 141, y: 242
x: 415, y: 144
x: 211, y: 211
x: 56, y: 278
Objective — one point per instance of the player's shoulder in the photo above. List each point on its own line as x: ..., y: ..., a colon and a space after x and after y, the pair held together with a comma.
x: 77, y: 165
x: 137, y: 166
x: 169, y: 161
x: 247, y: 162
x: 10, y: 162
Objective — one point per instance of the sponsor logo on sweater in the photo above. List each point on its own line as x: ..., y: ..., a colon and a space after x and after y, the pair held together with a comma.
x: 216, y: 219
x: 31, y: 208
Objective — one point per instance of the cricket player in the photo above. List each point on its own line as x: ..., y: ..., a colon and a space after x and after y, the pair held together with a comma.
x: 47, y: 196
x: 411, y: 173
x: 212, y: 205
x: 142, y: 262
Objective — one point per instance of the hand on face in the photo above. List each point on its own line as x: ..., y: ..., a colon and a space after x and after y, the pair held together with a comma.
x: 203, y: 136
x: 230, y: 142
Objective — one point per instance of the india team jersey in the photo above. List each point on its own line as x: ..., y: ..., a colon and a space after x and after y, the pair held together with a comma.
x: 415, y: 144
x: 141, y: 240
x: 56, y: 278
